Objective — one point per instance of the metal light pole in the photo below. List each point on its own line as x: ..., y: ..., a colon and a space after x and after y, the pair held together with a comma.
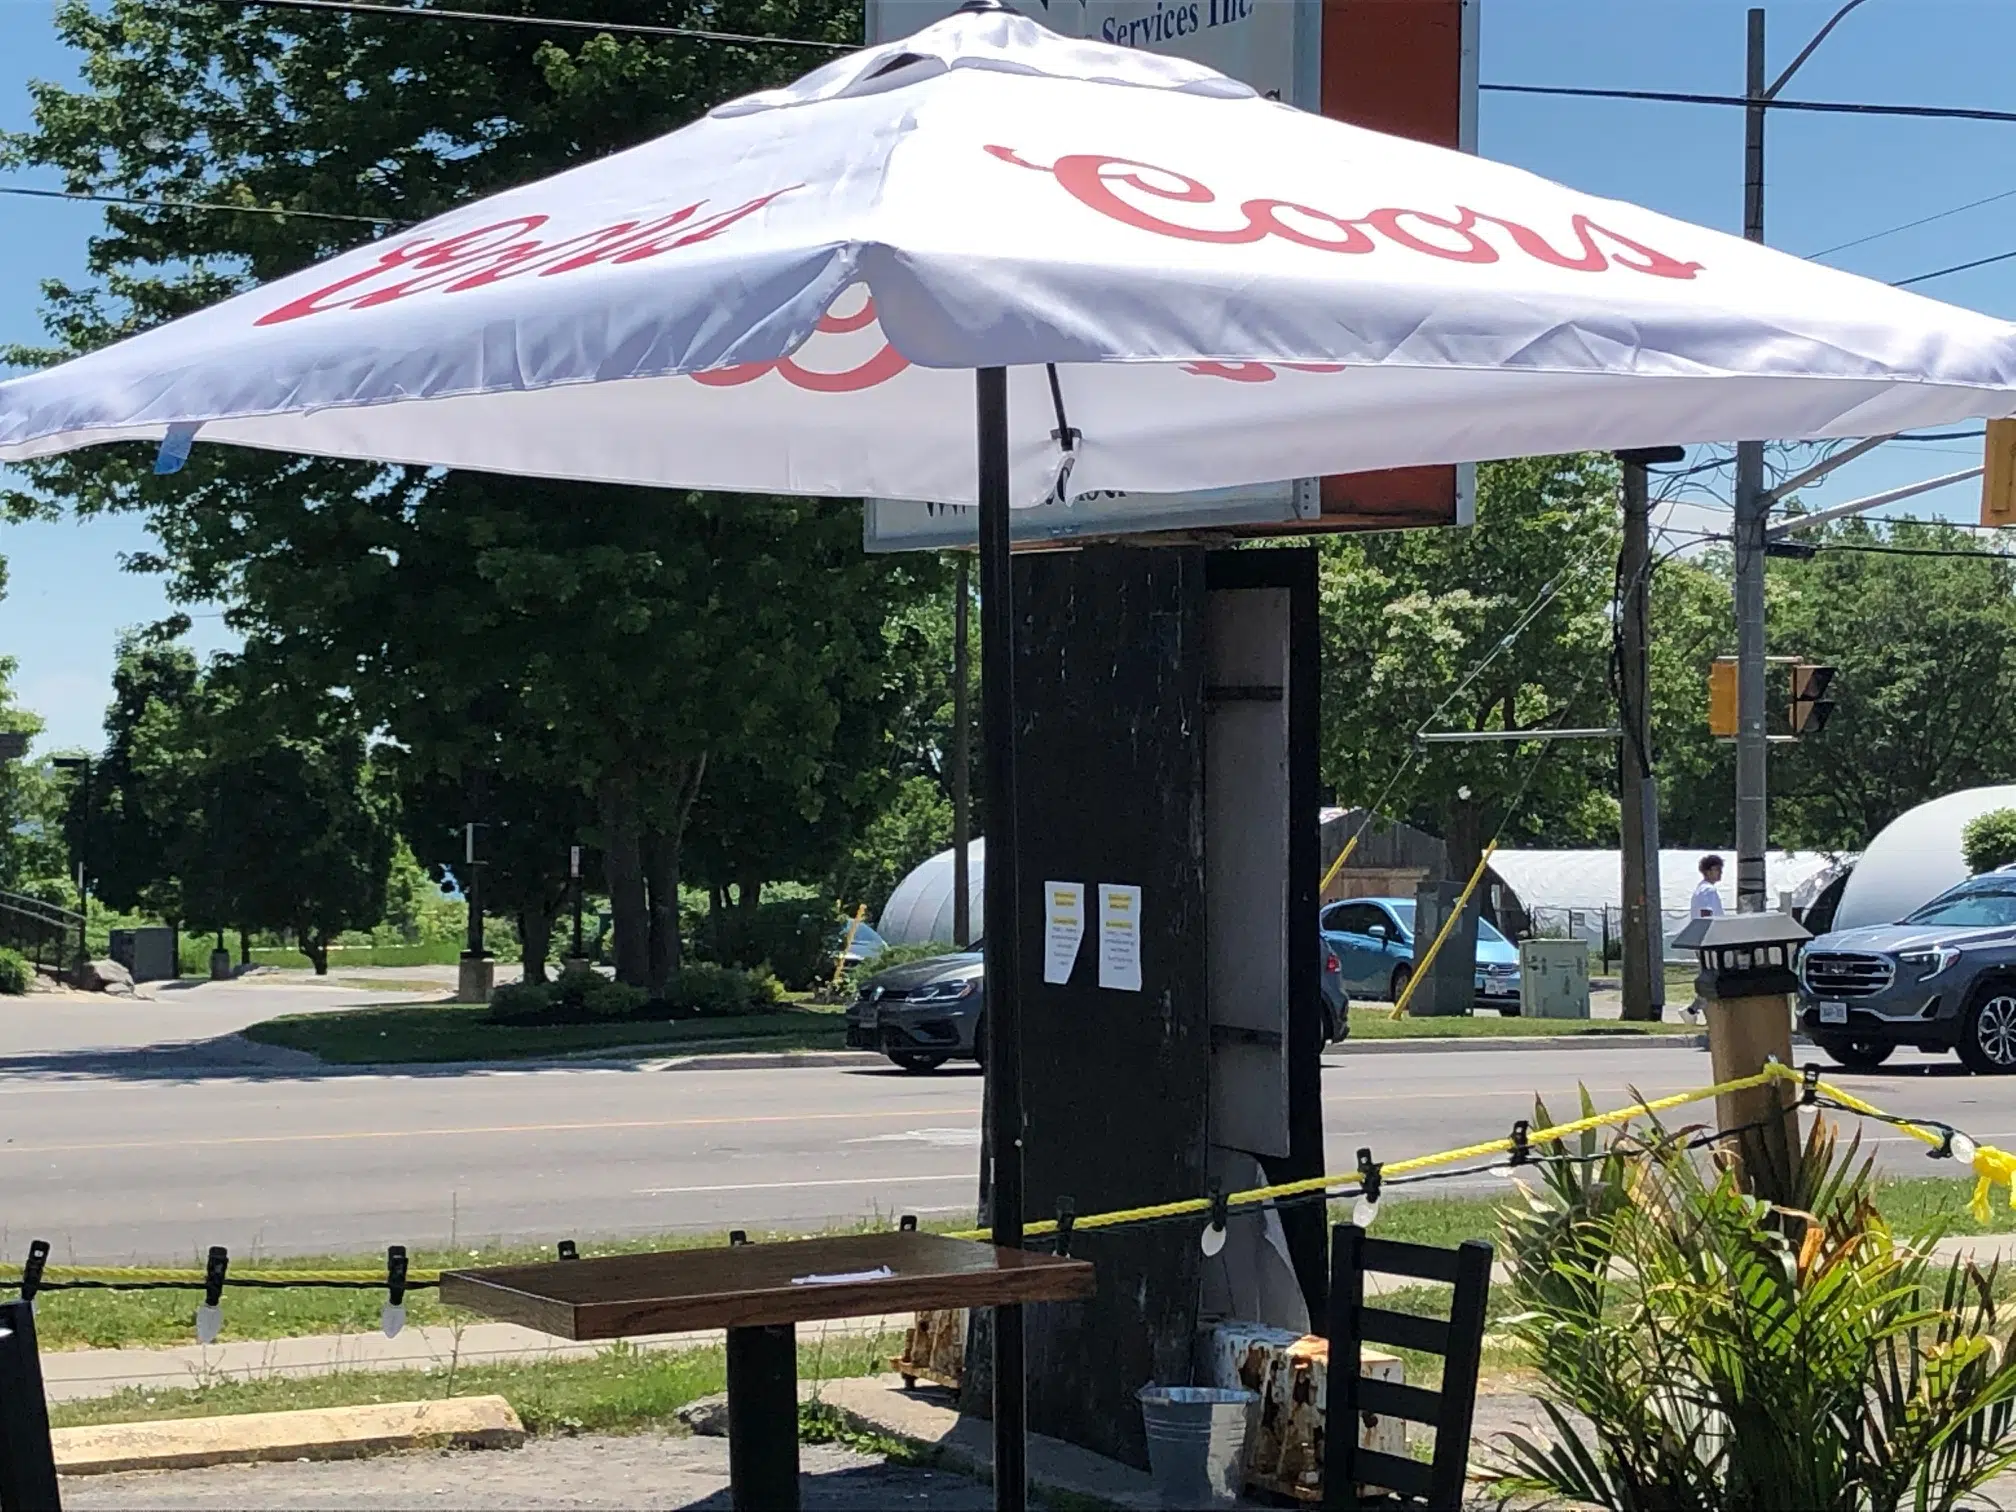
x: 1752, y: 747
x: 574, y: 876
x: 81, y: 765
x: 1002, y: 927
x: 962, y: 756
x: 1753, y: 506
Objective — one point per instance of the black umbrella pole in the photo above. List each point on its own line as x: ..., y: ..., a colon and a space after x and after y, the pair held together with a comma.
x: 1003, y: 926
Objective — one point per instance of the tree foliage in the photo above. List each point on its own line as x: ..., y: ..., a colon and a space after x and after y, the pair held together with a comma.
x: 1989, y: 840
x: 1408, y: 616
x: 1924, y: 648
x: 216, y: 805
x: 509, y: 634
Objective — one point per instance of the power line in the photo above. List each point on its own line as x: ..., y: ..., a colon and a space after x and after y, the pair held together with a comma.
x: 1979, y: 262
x: 211, y: 205
x: 1825, y: 107
x: 1923, y: 220
x: 561, y: 23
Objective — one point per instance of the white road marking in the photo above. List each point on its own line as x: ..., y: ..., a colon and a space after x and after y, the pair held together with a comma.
x: 786, y: 1186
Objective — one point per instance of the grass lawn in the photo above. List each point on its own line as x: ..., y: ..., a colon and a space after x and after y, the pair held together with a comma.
x: 1376, y: 1023
x: 406, y: 1033
x: 618, y: 1390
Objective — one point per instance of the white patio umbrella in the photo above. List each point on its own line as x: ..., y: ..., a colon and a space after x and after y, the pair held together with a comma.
x: 1163, y: 282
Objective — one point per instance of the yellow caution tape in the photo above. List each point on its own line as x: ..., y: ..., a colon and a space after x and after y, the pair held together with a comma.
x: 1399, y: 1167
x: 1992, y: 1167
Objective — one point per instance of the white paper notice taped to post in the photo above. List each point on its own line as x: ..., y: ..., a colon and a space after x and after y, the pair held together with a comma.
x: 1120, y: 936
x: 1063, y: 929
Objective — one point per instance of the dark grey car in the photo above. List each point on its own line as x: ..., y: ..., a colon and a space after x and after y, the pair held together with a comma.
x: 928, y: 1012
x: 1943, y: 978
x: 923, y: 1014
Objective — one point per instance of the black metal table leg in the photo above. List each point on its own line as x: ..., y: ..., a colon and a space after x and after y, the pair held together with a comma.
x: 763, y: 1418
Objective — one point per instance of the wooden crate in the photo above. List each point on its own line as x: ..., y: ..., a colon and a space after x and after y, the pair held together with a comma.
x: 935, y: 1350
x: 1284, y: 1440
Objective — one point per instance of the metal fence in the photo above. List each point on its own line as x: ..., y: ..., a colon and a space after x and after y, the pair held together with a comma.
x: 46, y: 933
x: 1603, y: 928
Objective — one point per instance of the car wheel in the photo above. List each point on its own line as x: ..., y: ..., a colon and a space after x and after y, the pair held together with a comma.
x: 1856, y: 1055
x: 1401, y: 977
x: 1988, y: 1032
x: 980, y: 1041
x: 913, y: 1062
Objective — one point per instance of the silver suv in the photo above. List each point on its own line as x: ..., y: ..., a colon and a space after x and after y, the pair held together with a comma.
x: 1942, y: 979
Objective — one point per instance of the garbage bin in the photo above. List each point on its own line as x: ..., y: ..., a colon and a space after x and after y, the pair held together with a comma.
x: 1196, y: 1442
x: 1554, y: 979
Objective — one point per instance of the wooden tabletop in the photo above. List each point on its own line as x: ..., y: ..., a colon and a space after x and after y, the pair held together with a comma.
x: 739, y: 1286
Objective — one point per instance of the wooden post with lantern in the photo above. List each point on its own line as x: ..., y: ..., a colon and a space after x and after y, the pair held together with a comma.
x: 1747, y: 977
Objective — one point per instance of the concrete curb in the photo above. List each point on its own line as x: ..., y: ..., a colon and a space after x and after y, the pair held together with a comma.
x: 1528, y: 1042
x: 485, y: 1422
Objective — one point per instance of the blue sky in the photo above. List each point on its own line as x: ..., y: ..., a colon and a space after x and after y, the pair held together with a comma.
x: 1830, y: 179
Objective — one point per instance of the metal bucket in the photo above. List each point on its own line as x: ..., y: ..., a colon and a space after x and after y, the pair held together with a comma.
x: 1196, y: 1442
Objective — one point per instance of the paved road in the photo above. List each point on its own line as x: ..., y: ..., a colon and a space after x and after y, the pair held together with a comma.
x: 111, y: 1153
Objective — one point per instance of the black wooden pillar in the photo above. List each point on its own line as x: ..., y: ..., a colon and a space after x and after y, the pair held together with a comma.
x: 1110, y: 691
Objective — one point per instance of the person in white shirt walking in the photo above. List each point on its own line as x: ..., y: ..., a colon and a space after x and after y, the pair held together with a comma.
x: 1705, y: 904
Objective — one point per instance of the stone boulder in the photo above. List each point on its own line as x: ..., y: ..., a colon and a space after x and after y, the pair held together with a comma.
x: 106, y: 976
x: 706, y: 1416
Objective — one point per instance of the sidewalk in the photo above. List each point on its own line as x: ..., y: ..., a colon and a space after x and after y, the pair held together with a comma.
x: 72, y: 1374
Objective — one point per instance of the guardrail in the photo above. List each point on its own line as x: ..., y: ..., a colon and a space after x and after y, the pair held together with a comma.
x: 41, y: 930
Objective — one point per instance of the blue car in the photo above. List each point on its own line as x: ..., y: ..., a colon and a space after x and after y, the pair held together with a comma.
x: 1374, y: 942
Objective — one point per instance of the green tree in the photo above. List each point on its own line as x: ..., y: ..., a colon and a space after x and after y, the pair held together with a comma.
x: 538, y: 631
x: 296, y: 829
x: 1925, y: 654
x: 1989, y: 840
x: 1408, y: 616
x: 135, y: 814
x: 527, y: 830
x: 1919, y: 619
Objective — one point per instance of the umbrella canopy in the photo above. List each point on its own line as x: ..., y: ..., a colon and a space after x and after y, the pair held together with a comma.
x: 1231, y: 290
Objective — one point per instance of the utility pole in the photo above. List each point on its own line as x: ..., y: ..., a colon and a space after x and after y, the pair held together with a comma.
x: 1637, y: 787
x: 962, y: 755
x: 1752, y: 746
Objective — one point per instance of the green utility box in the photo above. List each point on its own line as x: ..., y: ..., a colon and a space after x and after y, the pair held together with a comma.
x: 1554, y: 979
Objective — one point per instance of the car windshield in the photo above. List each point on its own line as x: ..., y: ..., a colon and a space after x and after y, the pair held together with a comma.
x: 1484, y: 930
x: 1970, y: 908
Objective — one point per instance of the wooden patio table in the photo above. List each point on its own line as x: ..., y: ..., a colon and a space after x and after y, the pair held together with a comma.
x: 759, y: 1293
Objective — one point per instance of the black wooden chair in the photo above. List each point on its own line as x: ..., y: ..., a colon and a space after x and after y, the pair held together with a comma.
x: 27, y: 1462
x: 1347, y: 1467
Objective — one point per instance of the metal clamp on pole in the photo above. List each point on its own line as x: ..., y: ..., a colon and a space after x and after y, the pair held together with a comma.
x: 32, y: 1267
x: 1213, y: 1238
x: 392, y: 1316
x: 210, y: 1316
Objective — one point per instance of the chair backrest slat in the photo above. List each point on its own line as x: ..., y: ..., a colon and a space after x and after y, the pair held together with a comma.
x: 1451, y: 1410
x: 1395, y: 1257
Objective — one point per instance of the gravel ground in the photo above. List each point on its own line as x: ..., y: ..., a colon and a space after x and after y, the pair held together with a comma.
x: 591, y: 1472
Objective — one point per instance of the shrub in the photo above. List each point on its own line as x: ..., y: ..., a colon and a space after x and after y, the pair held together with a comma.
x: 1727, y: 1354
x: 794, y: 937
x: 521, y: 1003
x: 596, y: 1000
x: 14, y: 973
x: 705, y: 990
x: 1989, y: 840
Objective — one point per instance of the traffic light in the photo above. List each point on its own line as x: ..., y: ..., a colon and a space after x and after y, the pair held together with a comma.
x: 1722, y: 696
x: 1811, y: 707
x: 1998, y: 477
